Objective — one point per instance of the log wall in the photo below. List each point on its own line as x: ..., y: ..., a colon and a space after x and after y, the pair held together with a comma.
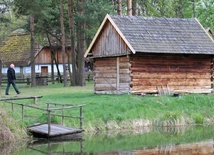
x: 180, y: 73
x: 111, y: 75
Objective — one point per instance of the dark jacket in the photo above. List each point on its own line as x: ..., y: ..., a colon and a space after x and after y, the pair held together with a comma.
x: 11, y: 75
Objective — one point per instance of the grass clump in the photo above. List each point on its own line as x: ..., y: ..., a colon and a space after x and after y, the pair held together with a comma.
x: 10, y: 130
x: 198, y: 118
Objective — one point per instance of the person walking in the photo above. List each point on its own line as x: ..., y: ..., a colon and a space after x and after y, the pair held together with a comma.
x: 11, y: 77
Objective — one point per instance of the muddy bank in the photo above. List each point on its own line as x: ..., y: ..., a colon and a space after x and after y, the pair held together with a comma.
x: 144, y: 123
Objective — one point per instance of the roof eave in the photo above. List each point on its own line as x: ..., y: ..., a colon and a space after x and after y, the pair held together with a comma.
x: 204, y: 29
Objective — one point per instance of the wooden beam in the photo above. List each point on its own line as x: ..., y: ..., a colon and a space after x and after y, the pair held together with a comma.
x: 23, y: 98
x: 118, y: 73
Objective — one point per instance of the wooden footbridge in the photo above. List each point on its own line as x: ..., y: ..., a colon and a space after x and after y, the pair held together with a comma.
x: 48, y: 129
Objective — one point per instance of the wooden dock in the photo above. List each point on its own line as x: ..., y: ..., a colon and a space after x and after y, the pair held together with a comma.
x: 49, y: 130
x: 41, y: 130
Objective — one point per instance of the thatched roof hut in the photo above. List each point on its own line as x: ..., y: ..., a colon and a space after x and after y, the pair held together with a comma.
x: 16, y: 49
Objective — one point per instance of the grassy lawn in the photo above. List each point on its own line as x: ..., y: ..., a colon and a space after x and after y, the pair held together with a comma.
x: 103, y: 112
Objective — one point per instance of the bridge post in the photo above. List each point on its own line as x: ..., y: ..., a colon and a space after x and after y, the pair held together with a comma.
x: 80, y: 117
x: 49, y: 122
x: 22, y: 112
x: 63, y: 114
x: 12, y: 107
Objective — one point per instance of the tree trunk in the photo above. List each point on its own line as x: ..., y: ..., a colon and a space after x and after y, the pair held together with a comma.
x: 0, y: 74
x: 73, y: 54
x: 69, y: 67
x: 129, y: 7
x: 33, y: 80
x: 63, y: 42
x: 135, y: 8
x: 193, y: 8
x: 80, y: 44
x: 119, y: 10
x: 181, y: 15
x: 53, y: 59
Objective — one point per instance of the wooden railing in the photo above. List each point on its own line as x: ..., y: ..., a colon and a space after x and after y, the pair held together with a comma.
x: 19, y: 80
x: 88, y: 77
x: 62, y: 108
x: 51, y: 111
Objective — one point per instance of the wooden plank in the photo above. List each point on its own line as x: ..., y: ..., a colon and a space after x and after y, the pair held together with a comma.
x: 170, y: 75
x: 205, y: 91
x: 182, y: 91
x: 146, y: 61
x: 124, y: 85
x: 168, y: 69
x: 124, y: 71
x: 174, y: 81
x: 125, y: 80
x: 106, y: 85
x: 22, y: 98
x: 118, y: 73
x: 56, y: 130
x: 102, y: 87
x: 105, y: 75
x: 105, y: 69
x: 124, y: 59
x: 125, y: 65
x: 111, y: 92
x: 169, y: 56
x: 137, y: 88
x: 105, y: 81
x: 172, y: 65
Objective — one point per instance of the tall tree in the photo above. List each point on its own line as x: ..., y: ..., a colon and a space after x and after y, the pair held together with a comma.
x: 129, y: 7
x: 33, y: 10
x: 0, y: 74
x: 205, y: 13
x: 193, y: 8
x: 119, y: 9
x: 135, y: 10
x: 33, y: 80
x: 63, y: 41
x: 80, y: 42
x: 4, y: 18
x: 72, y: 36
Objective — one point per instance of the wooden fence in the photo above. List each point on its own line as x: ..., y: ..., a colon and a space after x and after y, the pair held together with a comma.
x: 88, y: 77
x: 19, y: 81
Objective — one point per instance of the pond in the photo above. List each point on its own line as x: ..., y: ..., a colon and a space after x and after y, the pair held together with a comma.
x: 191, y: 140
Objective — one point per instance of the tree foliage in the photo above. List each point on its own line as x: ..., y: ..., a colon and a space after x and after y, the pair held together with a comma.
x: 87, y: 15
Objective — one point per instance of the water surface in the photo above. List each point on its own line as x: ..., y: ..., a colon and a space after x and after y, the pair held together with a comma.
x: 192, y: 140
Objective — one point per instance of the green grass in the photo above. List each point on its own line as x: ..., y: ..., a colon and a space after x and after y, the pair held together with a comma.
x: 103, y: 112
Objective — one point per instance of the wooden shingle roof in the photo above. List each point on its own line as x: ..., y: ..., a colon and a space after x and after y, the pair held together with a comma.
x: 160, y: 35
x: 16, y: 49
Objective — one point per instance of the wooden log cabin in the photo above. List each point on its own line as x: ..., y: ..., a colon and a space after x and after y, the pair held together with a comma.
x: 43, y: 59
x: 135, y: 54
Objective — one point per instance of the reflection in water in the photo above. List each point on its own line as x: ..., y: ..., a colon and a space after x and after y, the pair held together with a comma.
x: 196, y: 140
x: 200, y: 148
x: 51, y: 148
